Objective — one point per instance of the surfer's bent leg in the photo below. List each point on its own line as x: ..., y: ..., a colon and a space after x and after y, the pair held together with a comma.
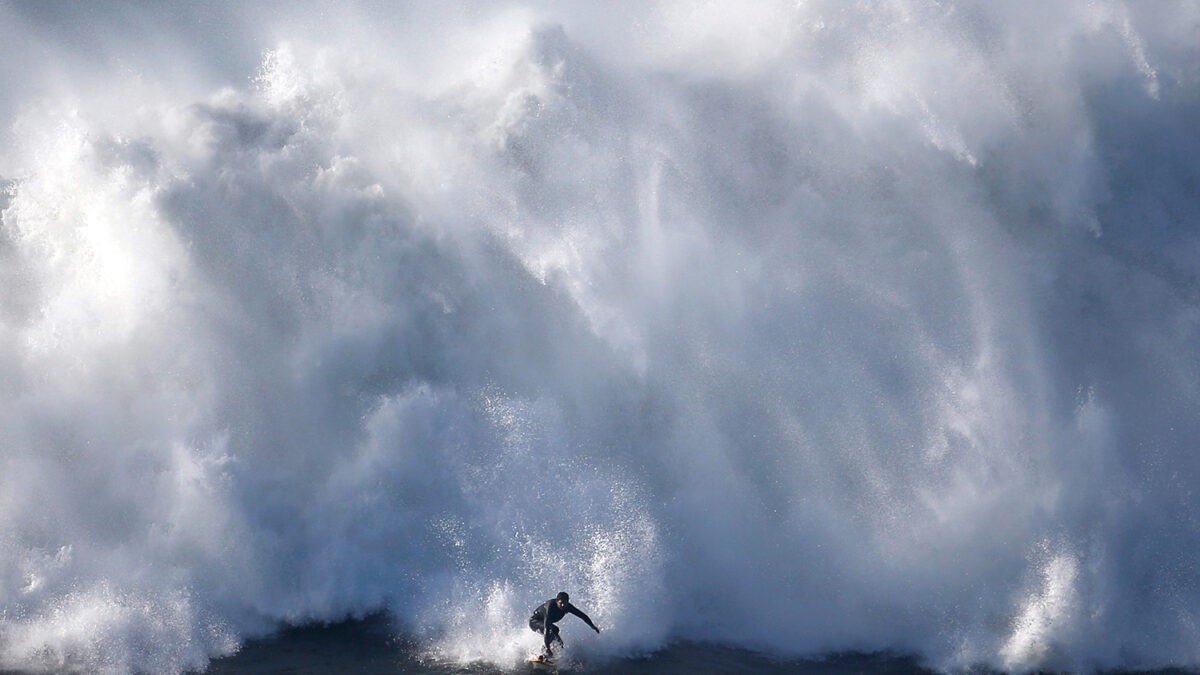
x: 549, y: 635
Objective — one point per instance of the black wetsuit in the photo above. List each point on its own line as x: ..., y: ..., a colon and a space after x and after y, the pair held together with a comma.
x: 548, y: 614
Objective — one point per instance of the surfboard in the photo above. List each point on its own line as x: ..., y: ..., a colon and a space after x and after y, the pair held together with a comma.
x: 543, y: 662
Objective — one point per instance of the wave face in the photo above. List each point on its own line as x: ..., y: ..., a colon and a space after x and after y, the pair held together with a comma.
x: 801, y: 327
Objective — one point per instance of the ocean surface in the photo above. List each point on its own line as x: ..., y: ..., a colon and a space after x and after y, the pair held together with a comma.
x: 771, y: 331
x: 372, y: 647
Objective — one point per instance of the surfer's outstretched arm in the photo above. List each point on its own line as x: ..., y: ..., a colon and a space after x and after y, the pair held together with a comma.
x: 577, y: 612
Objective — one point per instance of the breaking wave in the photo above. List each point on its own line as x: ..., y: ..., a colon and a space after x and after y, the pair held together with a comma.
x: 803, y: 327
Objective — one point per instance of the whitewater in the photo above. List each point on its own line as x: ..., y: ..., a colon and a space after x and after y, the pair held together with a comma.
x: 795, y: 327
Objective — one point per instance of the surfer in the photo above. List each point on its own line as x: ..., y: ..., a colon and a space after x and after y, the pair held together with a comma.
x: 548, y: 614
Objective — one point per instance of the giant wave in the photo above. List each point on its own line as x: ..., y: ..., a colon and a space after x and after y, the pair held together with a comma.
x: 801, y: 327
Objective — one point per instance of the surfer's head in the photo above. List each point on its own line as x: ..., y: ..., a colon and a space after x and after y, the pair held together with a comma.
x: 563, y: 598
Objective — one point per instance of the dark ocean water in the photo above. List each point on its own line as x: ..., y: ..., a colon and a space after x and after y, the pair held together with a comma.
x: 372, y: 647
x: 369, y: 647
